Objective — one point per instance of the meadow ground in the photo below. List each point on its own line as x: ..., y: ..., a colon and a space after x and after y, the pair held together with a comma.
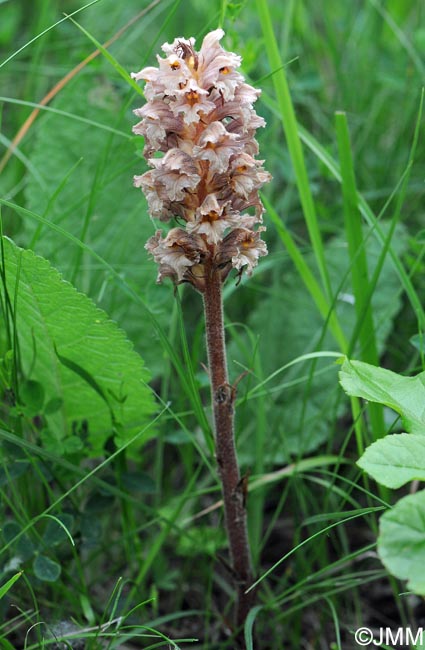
x: 110, y: 501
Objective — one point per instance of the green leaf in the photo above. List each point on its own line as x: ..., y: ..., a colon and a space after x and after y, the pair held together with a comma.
x: 31, y: 394
x: 401, y: 541
x: 418, y: 341
x: 405, y: 395
x: 6, y: 645
x: 88, y: 174
x: 53, y: 405
x: 179, y: 437
x: 395, y: 459
x: 91, y: 529
x: 12, y: 470
x: 23, y: 547
x: 6, y: 365
x: 296, y: 152
x: 9, y: 584
x: 73, y: 445
x: 138, y: 482
x: 202, y: 540
x: 9, y: 530
x: 54, y: 319
x: 98, y: 503
x: 46, y: 569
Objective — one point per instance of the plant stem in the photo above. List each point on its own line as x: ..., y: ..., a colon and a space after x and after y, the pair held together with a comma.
x: 223, y: 397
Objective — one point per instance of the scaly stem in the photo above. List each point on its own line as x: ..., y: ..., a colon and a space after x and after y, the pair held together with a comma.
x: 223, y: 397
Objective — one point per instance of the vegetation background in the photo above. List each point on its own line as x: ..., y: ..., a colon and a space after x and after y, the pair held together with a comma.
x: 126, y: 549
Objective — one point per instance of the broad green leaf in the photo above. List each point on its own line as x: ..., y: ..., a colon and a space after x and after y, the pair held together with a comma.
x: 32, y: 395
x: 12, y: 470
x: 53, y: 405
x: 53, y: 321
x: 88, y: 173
x: 98, y: 503
x: 23, y: 547
x: 91, y: 528
x: 138, y: 482
x: 401, y: 541
x: 46, y: 569
x: 395, y: 459
x: 405, y: 395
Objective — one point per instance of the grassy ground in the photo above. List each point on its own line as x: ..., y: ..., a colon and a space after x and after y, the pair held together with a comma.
x: 125, y: 548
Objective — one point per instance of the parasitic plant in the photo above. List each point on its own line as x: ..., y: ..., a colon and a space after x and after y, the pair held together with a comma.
x: 199, y: 114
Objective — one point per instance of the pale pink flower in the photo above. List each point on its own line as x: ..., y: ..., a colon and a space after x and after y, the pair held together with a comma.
x: 217, y: 67
x: 178, y: 46
x: 156, y: 205
x: 174, y: 73
x: 176, y: 253
x: 158, y: 124
x: 199, y: 114
x: 191, y: 101
x: 246, y: 174
x: 213, y: 219
x: 244, y: 246
x: 177, y: 172
x: 216, y: 145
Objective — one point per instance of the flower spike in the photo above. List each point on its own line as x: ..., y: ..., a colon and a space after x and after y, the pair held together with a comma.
x: 199, y: 114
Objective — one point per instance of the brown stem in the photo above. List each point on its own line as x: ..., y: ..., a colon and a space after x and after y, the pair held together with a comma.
x: 223, y: 396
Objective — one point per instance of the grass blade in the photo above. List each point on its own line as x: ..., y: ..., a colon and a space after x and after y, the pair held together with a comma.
x: 358, y: 261
x: 290, y: 127
x: 9, y: 584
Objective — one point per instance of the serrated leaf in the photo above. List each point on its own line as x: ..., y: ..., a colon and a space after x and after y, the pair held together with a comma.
x: 46, y: 569
x: 89, y: 171
x: 401, y: 541
x: 405, y: 395
x: 59, y: 319
x: 395, y: 459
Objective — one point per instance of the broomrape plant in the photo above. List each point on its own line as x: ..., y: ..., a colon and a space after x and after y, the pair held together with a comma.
x: 199, y: 114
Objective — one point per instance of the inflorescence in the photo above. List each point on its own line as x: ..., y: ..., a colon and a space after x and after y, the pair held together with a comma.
x: 199, y: 114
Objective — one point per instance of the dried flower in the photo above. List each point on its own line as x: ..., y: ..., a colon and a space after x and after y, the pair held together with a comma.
x: 200, y: 116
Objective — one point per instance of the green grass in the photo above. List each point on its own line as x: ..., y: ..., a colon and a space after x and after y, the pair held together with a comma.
x: 345, y: 275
